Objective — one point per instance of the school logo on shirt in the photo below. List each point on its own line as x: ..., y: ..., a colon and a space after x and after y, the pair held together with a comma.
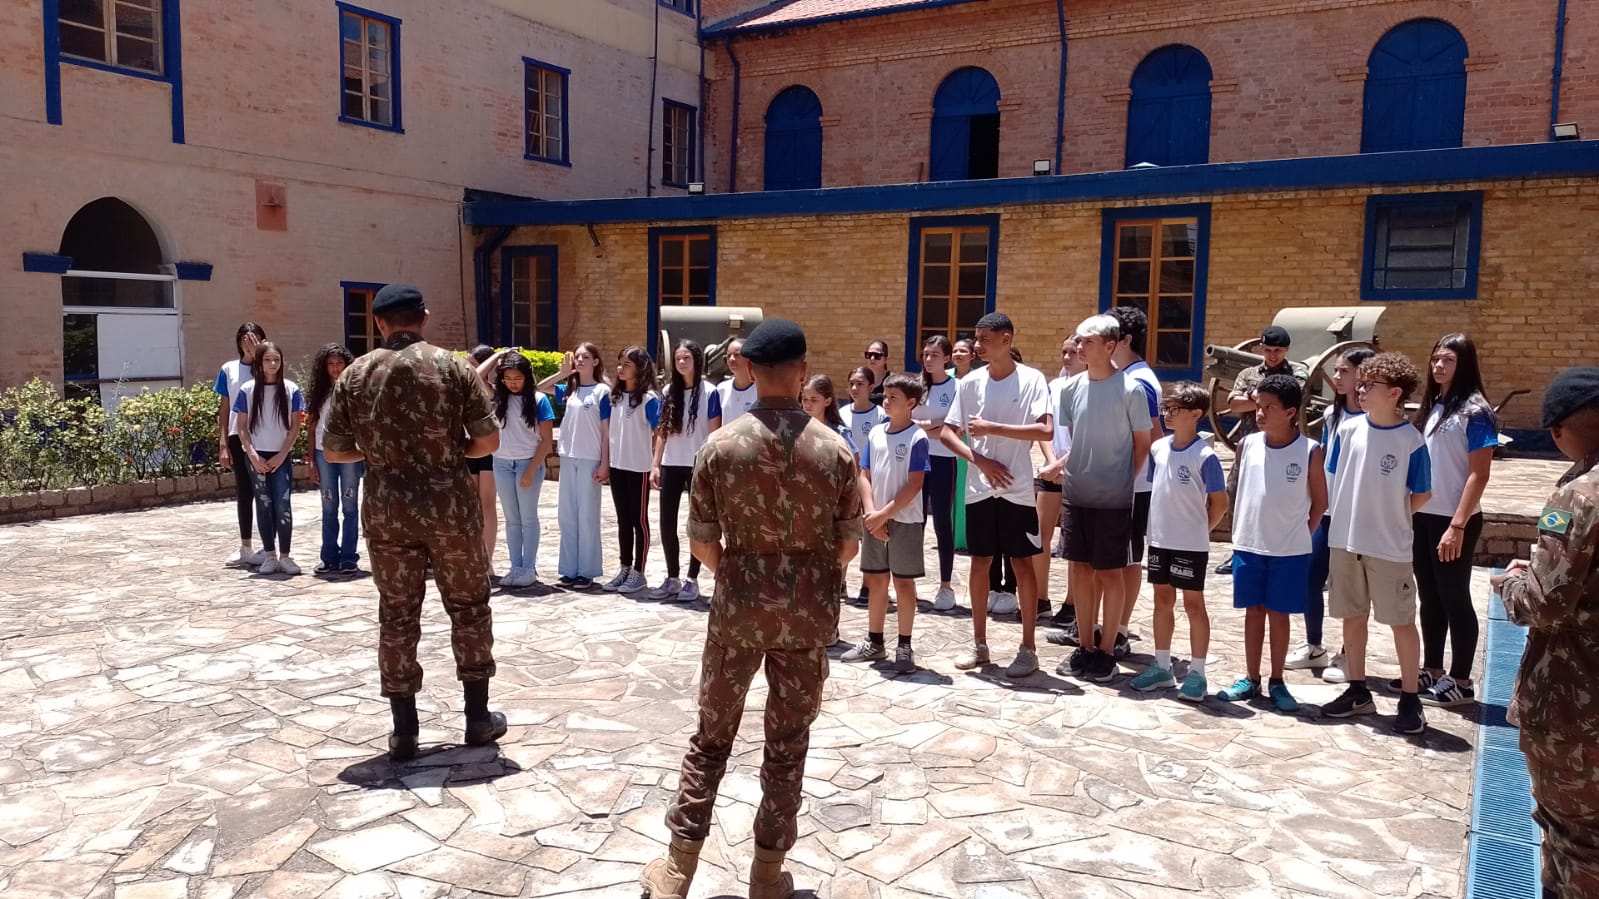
x: 1184, y: 476
x: 901, y: 451
x: 1388, y: 464
x: 943, y: 401
x: 1293, y: 471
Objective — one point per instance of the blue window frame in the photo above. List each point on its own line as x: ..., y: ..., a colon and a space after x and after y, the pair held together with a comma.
x: 686, y: 7
x: 678, y: 124
x: 1422, y: 246
x: 369, y: 68
x: 141, y: 38
x: 965, y: 139
x: 1157, y: 258
x: 1168, y: 117
x: 682, y: 273
x: 1415, y: 89
x: 794, y: 140
x: 360, y: 328
x: 949, y: 279
x: 529, y: 297
x: 544, y: 92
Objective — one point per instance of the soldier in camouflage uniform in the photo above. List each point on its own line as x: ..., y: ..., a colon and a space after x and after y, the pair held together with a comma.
x: 775, y: 512
x: 415, y: 412
x: 1556, y: 596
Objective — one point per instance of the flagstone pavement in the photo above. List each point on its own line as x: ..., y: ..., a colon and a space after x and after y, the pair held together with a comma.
x: 169, y: 728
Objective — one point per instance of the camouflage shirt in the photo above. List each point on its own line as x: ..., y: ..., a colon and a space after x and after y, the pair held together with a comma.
x: 1558, y: 600
x: 778, y: 489
x: 1250, y: 378
x: 411, y: 409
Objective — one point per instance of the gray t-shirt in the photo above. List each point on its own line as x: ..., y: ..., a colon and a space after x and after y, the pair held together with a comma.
x: 1102, y: 416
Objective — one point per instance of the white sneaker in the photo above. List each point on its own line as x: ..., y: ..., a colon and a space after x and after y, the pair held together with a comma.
x: 1334, y: 672
x: 516, y: 577
x: 286, y: 566
x: 1003, y: 604
x: 617, y: 581
x: 669, y: 589
x: 1307, y: 656
x: 634, y: 583
x: 689, y: 593
x: 238, y: 559
x: 945, y: 600
x: 269, y: 565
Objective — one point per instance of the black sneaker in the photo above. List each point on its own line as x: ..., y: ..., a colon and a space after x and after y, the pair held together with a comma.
x: 1101, y: 668
x: 1411, y: 719
x: 565, y: 580
x: 1067, y: 636
x: 1066, y: 616
x: 862, y: 599
x: 1078, y: 661
x: 581, y: 583
x: 1424, y: 682
x: 323, y: 569
x: 1045, y: 609
x: 1123, y: 646
x: 1355, y: 700
x: 1226, y: 567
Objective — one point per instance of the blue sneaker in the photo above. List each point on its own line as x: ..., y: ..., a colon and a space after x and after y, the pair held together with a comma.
x: 1193, y: 688
x: 1154, y: 678
x: 1281, y: 699
x: 1242, y: 689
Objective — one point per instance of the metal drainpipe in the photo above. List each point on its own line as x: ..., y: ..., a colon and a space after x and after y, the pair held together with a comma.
x: 1060, y: 104
x: 655, y: 68
x: 1560, y: 59
x: 699, y: 38
x: 732, y: 166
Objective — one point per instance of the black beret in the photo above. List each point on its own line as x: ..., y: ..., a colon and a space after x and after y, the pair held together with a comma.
x: 1571, y: 391
x: 1275, y: 336
x: 774, y: 342
x: 397, y: 298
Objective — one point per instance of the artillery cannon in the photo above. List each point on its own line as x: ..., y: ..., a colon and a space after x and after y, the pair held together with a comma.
x: 712, y: 327
x: 1319, y: 335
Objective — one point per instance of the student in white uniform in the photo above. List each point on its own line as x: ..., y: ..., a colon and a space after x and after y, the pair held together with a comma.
x: 635, y: 414
x: 691, y: 411
x: 585, y: 462
x: 230, y: 453
x: 938, y: 393
x: 271, y: 412
x: 737, y: 394
x: 527, y: 422
x: 860, y: 416
x: 340, y: 482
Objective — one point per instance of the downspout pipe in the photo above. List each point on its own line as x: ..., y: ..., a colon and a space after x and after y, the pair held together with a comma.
x: 732, y: 165
x: 1060, y: 102
x: 699, y: 145
x: 481, y: 275
x: 1560, y: 65
x: 655, y: 70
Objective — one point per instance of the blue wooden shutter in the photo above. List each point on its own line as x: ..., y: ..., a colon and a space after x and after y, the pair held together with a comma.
x: 963, y: 94
x: 1168, y: 117
x: 1415, y: 96
x: 794, y: 140
x: 950, y: 148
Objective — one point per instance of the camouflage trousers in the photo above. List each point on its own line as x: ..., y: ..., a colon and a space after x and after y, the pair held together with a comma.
x: 1565, y: 783
x: 794, y: 680
x: 462, y: 573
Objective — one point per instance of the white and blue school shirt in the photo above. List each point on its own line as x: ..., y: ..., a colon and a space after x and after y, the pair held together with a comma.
x: 1181, y: 482
x: 1375, y: 470
x: 860, y: 423
x: 934, y: 407
x: 889, y: 458
x: 1271, y: 516
x: 1061, y: 442
x: 1020, y: 398
x: 518, y: 440
x: 735, y: 402
x: 1450, y: 442
x: 587, y: 409
x: 633, y: 432
x: 1145, y: 377
x: 682, y: 446
x: 267, y: 434
x: 229, y: 378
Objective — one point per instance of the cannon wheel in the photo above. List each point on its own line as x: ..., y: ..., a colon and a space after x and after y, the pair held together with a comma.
x: 1218, y: 403
x: 1312, y: 407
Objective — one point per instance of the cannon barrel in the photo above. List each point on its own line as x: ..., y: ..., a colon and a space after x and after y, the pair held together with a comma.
x: 1225, y: 363
x: 712, y: 327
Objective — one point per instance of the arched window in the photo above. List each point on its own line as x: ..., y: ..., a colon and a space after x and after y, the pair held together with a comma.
x: 1168, y: 118
x: 965, y: 127
x: 794, y: 140
x: 1415, y: 89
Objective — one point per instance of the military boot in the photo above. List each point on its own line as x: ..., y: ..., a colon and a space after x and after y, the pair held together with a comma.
x: 482, y: 725
x: 768, y: 880
x: 402, y: 743
x: 669, y: 878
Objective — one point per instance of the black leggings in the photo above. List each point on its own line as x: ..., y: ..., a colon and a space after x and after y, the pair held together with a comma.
x: 243, y: 486
x: 1001, y: 575
x: 939, y: 488
x: 630, y: 492
x: 675, y: 480
x: 1444, y: 590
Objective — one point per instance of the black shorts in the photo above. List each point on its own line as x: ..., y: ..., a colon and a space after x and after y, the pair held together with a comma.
x: 997, y: 526
x: 1180, y: 569
x: 1042, y: 486
x: 1135, y: 540
x: 479, y: 465
x: 1098, y: 537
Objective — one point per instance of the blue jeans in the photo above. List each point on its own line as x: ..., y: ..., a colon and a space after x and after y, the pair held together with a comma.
x: 1315, y: 610
x: 581, y: 555
x: 273, y: 517
x: 341, y: 491
x: 521, y: 507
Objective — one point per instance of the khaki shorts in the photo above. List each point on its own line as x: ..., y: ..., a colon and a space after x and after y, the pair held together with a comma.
x: 1361, y: 586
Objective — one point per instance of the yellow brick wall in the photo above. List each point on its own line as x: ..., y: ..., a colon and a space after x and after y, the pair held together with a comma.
x: 843, y: 277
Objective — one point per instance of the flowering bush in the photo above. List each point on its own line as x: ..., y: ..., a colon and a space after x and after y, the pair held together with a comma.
x: 166, y: 433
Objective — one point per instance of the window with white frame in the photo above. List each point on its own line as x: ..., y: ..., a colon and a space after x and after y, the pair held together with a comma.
x: 124, y: 33
x: 369, y: 68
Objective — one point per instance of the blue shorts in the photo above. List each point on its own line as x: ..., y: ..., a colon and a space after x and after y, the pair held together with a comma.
x: 1277, y: 582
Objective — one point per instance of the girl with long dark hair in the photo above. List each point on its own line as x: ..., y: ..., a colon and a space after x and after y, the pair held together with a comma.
x: 340, y: 482
x: 581, y: 390
x: 691, y: 411
x: 271, y: 411
x: 938, y: 391
x: 527, y: 423
x: 230, y: 452
x: 635, y: 414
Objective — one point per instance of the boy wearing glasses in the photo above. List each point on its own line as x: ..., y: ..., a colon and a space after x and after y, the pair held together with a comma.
x: 1381, y: 475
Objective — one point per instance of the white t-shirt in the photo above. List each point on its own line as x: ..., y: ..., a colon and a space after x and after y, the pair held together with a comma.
x: 1271, y: 516
x: 1450, y: 443
x: 1375, y: 469
x: 229, y: 378
x: 681, y: 447
x: 586, y: 408
x: 735, y: 402
x: 633, y: 432
x: 1182, y: 481
x: 1022, y: 398
x: 1062, y: 441
x: 888, y: 459
x: 1145, y: 376
x: 860, y: 423
x: 322, y: 421
x: 517, y: 439
x: 934, y: 407
x: 268, y: 434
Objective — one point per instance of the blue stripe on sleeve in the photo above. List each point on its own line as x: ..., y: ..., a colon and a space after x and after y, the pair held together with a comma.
x: 652, y: 411
x: 713, y: 407
x: 1153, y: 397
x: 1480, y: 431
x: 241, y: 402
x: 1419, y: 476
x: 919, y: 456
x: 866, y: 457
x: 560, y: 393
x: 1333, y: 454
x: 605, y: 406
x: 221, y: 386
x: 297, y: 401
x: 1210, y: 473
x: 546, y: 412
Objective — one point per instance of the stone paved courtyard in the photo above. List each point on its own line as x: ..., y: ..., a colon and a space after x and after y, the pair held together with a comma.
x: 174, y: 729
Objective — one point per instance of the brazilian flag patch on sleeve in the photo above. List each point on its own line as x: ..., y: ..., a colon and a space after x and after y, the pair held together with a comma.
x: 1554, y: 521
